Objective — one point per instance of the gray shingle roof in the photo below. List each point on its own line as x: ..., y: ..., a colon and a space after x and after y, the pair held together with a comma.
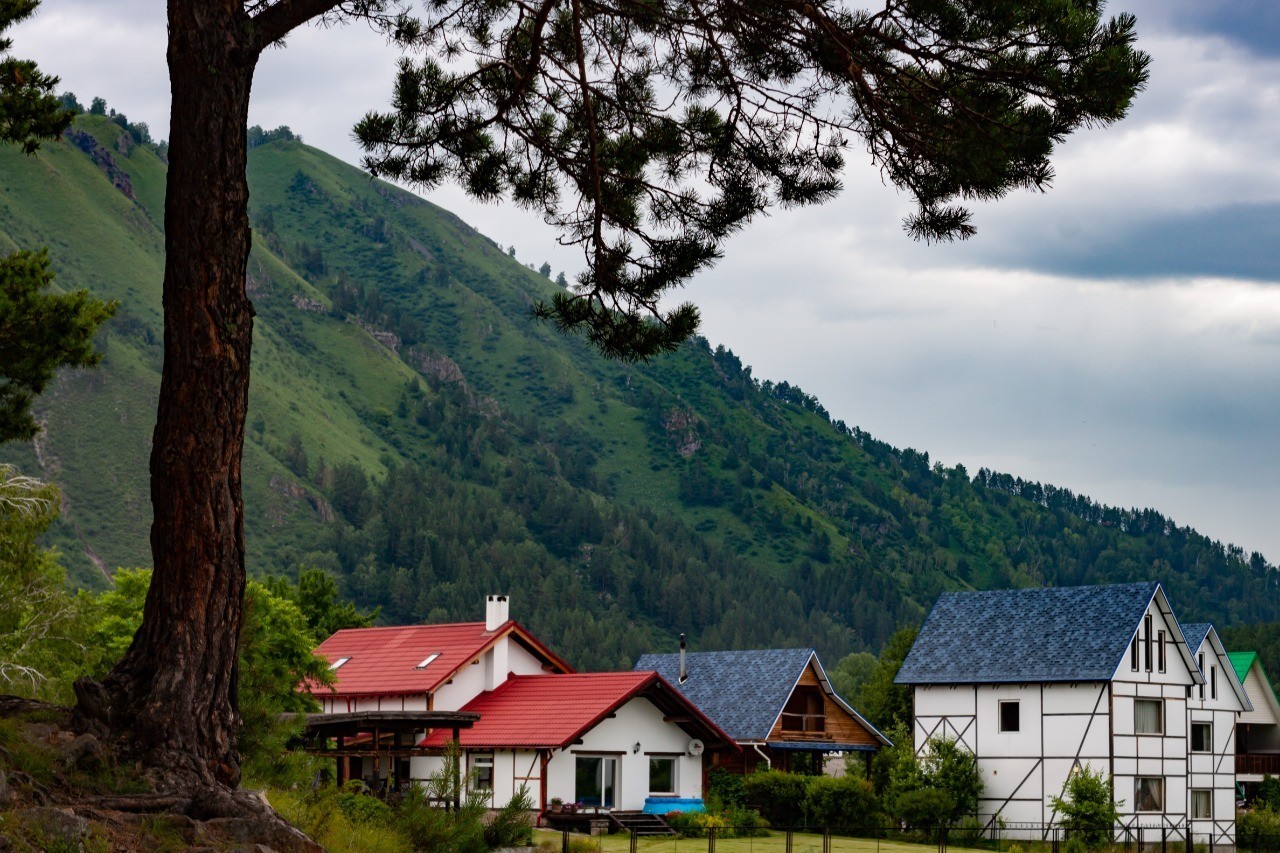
x: 1027, y: 635
x: 742, y: 692
x: 1194, y: 633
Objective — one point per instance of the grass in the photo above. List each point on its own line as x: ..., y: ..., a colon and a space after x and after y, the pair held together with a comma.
x: 802, y: 842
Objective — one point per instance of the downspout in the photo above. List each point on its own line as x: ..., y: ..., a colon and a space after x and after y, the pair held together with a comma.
x: 768, y: 765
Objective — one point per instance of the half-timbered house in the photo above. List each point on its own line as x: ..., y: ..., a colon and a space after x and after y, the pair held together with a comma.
x: 1040, y: 682
x: 1213, y: 708
x: 776, y: 704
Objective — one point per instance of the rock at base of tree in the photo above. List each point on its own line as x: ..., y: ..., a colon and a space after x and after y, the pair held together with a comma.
x: 60, y: 826
x: 6, y: 796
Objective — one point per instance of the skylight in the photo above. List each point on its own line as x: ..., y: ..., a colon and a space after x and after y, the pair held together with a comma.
x: 427, y: 661
x: 339, y: 662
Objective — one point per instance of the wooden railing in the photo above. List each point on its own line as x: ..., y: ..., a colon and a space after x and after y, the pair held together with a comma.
x: 804, y: 723
x: 1258, y: 764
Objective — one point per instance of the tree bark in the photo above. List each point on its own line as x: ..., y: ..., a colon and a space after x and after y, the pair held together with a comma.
x: 172, y: 700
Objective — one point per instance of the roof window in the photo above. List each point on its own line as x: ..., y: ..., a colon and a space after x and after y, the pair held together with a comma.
x: 427, y: 661
x: 339, y: 662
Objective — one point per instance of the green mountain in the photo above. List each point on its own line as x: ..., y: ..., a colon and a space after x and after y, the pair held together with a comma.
x: 415, y: 432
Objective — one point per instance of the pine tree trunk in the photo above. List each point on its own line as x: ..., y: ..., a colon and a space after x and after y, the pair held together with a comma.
x: 172, y: 699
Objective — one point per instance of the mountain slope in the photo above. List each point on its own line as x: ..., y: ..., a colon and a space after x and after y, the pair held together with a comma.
x: 414, y: 431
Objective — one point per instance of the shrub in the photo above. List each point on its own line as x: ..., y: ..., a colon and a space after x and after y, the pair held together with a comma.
x: 512, y: 825
x: 1089, y: 810
x: 925, y: 809
x: 1269, y: 792
x: 1075, y: 844
x: 779, y: 796
x: 844, y: 801
x: 725, y: 790
x: 360, y: 806
x: 1258, y: 829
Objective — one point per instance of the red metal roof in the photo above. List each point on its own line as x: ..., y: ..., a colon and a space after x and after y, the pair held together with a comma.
x: 384, y: 661
x: 552, y: 711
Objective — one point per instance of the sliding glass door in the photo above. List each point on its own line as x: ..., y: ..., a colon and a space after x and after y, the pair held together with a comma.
x: 596, y: 780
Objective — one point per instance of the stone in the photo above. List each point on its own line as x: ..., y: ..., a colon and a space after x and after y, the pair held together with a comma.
x: 250, y: 833
x: 6, y: 795
x: 58, y: 825
x: 86, y: 752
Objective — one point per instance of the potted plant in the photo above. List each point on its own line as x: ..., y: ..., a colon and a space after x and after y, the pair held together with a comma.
x: 557, y: 805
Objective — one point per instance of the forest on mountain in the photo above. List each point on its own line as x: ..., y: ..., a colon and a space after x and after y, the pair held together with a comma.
x: 416, y: 434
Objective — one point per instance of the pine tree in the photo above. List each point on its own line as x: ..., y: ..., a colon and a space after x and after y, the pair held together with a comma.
x: 560, y: 107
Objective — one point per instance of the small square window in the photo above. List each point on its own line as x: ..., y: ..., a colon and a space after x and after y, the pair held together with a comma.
x: 1202, y: 805
x: 1148, y: 716
x: 1148, y: 794
x: 1202, y: 737
x: 1010, y: 716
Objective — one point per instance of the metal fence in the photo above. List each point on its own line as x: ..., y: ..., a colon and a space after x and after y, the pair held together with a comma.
x: 1004, y: 838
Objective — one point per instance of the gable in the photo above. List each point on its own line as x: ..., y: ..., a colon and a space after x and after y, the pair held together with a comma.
x: 1204, y: 642
x: 1266, y: 707
x: 840, y: 724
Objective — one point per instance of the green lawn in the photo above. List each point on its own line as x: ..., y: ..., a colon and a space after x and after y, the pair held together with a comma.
x: 774, y: 843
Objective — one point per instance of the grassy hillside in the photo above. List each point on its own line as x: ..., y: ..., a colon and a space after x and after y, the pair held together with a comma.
x: 414, y: 431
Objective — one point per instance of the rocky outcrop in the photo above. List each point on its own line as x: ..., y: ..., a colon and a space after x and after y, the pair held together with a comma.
x: 103, y: 159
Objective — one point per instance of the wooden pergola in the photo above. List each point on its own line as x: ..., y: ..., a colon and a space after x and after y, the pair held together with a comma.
x: 380, y: 735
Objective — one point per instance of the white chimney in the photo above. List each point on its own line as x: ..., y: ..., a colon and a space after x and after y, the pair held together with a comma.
x: 495, y: 612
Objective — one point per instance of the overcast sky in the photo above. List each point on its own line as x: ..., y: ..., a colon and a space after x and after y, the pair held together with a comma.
x: 1119, y: 335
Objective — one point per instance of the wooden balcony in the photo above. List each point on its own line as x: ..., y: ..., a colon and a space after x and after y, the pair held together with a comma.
x: 1258, y: 764
x: 803, y: 725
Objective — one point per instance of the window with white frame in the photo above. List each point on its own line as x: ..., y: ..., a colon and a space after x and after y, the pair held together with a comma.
x: 1202, y: 805
x: 662, y: 775
x: 1202, y: 737
x: 481, y: 771
x: 1010, y: 716
x: 1148, y: 794
x: 1148, y: 716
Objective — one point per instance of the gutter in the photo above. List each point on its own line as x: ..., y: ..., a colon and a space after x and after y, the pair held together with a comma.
x: 767, y: 763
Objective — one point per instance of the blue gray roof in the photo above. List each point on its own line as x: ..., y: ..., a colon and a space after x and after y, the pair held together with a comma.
x: 1027, y: 635
x: 742, y: 692
x: 1195, y: 632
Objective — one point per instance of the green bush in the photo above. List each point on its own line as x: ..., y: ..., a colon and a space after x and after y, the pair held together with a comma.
x: 725, y: 790
x: 779, y: 796
x: 844, y: 801
x: 1258, y: 829
x: 1075, y: 844
x: 1089, y: 810
x: 360, y: 806
x: 1269, y: 792
x: 730, y: 824
x: 925, y: 809
x: 512, y: 825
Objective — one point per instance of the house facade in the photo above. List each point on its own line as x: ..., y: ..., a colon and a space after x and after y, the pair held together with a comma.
x: 777, y: 705
x: 1258, y: 729
x: 1038, y: 683
x: 608, y: 740
x: 1213, y: 710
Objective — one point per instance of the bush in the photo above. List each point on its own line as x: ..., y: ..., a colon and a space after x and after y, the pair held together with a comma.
x: 1075, y: 844
x: 925, y: 809
x: 512, y: 825
x: 1089, y: 811
x: 1269, y: 792
x: 779, y: 796
x: 725, y: 790
x: 844, y: 801
x: 360, y: 806
x: 1258, y: 829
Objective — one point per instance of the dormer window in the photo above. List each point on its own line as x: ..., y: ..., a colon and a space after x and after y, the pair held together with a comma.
x: 339, y: 662
x: 427, y: 661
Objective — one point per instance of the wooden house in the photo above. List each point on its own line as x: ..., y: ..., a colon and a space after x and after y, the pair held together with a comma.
x: 1038, y: 683
x: 776, y: 704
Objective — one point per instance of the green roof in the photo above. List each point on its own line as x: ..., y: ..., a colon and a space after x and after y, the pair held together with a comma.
x: 1241, y: 661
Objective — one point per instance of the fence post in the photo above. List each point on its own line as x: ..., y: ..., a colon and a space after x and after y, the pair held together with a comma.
x: 1164, y: 839
x: 826, y: 839
x: 790, y: 839
x: 633, y: 840
x: 564, y: 841
x: 711, y: 840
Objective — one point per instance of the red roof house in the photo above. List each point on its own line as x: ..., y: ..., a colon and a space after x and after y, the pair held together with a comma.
x: 612, y: 740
